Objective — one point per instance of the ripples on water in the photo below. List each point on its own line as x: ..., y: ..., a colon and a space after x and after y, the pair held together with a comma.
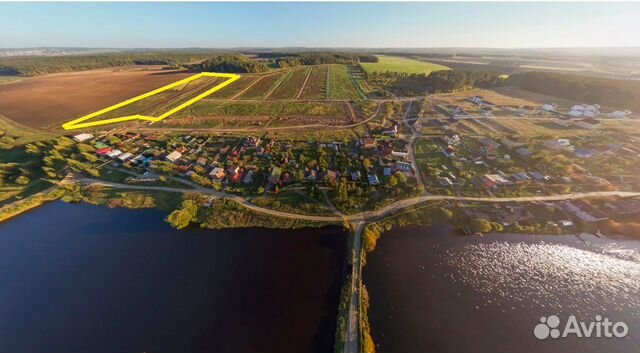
x: 544, y: 275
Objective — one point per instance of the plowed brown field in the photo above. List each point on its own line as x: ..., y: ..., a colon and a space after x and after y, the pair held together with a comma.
x: 45, y: 100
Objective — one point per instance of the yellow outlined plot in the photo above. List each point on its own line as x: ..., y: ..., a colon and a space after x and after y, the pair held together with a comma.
x: 81, y: 122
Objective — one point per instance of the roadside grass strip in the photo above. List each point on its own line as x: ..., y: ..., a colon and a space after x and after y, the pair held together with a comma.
x: 82, y: 121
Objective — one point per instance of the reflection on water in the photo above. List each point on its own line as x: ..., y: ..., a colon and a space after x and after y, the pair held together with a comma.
x: 432, y: 290
x: 549, y: 273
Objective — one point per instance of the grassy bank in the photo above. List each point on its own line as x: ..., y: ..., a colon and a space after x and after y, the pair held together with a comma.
x: 18, y: 207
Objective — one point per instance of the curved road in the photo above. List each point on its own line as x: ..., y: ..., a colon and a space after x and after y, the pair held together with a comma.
x: 358, y: 217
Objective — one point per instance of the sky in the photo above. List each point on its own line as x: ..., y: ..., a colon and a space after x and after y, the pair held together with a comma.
x: 329, y: 24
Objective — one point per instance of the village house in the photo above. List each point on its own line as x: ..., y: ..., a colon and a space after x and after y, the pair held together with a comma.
x: 403, y: 167
x: 356, y: 176
x: 620, y: 114
x: 125, y: 157
x: 402, y: 155
x: 373, y: 179
x: 82, y: 137
x: 585, y: 110
x: 103, y: 151
x: 451, y: 140
x: 549, y: 107
x: 557, y: 144
x: 217, y: 174
x: 444, y: 181
x: 368, y: 142
x: 173, y: 156
x: 490, y: 181
x: 252, y: 142
x: 233, y: 170
x: 393, y: 131
x: 114, y: 153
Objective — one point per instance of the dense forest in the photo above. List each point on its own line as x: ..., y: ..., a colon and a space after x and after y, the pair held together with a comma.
x: 32, y: 66
x: 232, y: 63
x: 436, y: 82
x: 296, y: 59
x: 621, y: 94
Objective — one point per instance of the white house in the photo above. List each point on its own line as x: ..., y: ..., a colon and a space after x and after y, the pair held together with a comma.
x: 620, y: 114
x: 217, y: 173
x: 549, y: 107
x: 586, y: 110
x: 174, y: 156
x: 557, y: 144
x: 125, y: 157
x: 82, y: 137
x: 398, y: 154
x: 114, y: 153
x: 451, y: 140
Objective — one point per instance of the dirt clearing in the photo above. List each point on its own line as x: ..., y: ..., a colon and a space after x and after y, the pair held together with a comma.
x: 52, y: 99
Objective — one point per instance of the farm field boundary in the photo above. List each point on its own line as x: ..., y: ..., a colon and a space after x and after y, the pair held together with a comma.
x: 83, y: 123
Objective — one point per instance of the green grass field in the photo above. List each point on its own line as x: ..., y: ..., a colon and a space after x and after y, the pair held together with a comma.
x: 398, y: 64
x: 340, y: 84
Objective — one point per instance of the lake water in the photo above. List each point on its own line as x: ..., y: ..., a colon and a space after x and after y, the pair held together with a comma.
x: 434, y: 291
x: 83, y: 278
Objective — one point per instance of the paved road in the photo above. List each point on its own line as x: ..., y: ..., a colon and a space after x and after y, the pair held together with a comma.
x: 352, y: 337
x: 362, y: 216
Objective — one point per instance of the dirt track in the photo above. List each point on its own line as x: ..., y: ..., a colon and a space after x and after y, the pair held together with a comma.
x: 44, y: 100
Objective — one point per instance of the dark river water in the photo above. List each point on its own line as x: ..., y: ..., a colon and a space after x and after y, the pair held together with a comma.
x: 82, y: 278
x: 434, y: 291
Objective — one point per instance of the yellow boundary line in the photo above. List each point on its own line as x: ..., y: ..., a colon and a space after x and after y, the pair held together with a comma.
x: 80, y: 122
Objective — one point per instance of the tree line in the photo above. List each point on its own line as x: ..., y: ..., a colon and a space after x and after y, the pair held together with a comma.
x: 40, y: 65
x: 443, y: 81
x: 284, y: 60
x: 624, y: 94
x: 232, y: 63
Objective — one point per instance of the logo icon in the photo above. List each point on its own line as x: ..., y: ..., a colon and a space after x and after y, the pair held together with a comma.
x: 547, y: 327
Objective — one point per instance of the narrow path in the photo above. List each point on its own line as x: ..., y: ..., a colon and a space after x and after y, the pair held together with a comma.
x: 332, y: 207
x: 412, y: 142
x: 304, y: 84
x: 247, y: 88
x: 282, y: 80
